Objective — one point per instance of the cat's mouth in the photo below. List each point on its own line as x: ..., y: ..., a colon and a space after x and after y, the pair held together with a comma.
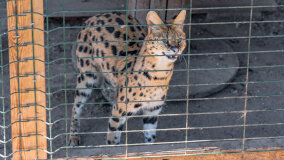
x: 171, y: 57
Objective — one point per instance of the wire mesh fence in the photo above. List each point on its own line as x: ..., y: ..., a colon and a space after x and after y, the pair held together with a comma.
x: 225, y: 94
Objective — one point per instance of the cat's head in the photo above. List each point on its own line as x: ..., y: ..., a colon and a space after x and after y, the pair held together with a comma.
x: 163, y: 39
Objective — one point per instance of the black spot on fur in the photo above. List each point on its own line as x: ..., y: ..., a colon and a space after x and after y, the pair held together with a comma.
x: 81, y: 62
x: 151, y: 120
x: 135, y: 77
x: 120, y: 90
x: 88, y: 85
x: 111, y: 128
x: 85, y: 49
x: 79, y: 79
x: 94, y: 38
x: 141, y: 94
x: 124, y: 69
x: 119, y: 21
x: 109, y: 20
x: 122, y: 98
x: 107, y: 15
x: 87, y: 62
x: 108, y: 142
x: 139, y: 28
x: 131, y: 43
x: 89, y: 75
x: 121, y: 53
x: 101, y: 22
x: 79, y: 36
x: 149, y: 139
x: 90, y: 34
x: 146, y: 74
x: 132, y: 29
x: 103, y: 53
x: 129, y: 113
x: 114, y: 70
x: 83, y: 94
x: 114, y: 50
x: 106, y: 44
x: 91, y: 51
x: 102, y: 38
x: 120, y: 111
x: 115, y: 119
x: 163, y: 98
x: 85, y: 37
x: 134, y: 94
x: 80, y: 48
x: 117, y: 13
x: 99, y: 29
x: 120, y: 127
x: 135, y: 52
x: 137, y: 105
x: 110, y: 29
x: 107, y: 65
x: 117, y: 34
x: 82, y: 77
x: 97, y: 52
x: 123, y: 114
x: 124, y: 37
x: 129, y: 90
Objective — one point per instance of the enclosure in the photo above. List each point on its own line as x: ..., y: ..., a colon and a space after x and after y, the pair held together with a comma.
x: 225, y: 98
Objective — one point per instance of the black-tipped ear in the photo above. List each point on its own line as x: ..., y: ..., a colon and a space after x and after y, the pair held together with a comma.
x: 179, y: 19
x: 153, y: 19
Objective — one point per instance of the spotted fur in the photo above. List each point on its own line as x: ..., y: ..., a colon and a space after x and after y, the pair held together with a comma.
x: 104, y: 65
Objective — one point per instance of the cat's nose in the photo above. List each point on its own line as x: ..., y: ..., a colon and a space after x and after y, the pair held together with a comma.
x: 175, y: 49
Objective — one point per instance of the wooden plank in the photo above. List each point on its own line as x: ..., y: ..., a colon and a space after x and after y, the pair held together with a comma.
x: 87, y: 6
x: 159, y: 4
x: 141, y: 15
x: 230, y: 3
x: 27, y: 90
x: 91, y: 5
x: 265, y: 155
x: 173, y: 4
x: 132, y: 5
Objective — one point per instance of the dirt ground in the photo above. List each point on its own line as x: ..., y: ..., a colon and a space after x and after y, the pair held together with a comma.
x: 215, y: 119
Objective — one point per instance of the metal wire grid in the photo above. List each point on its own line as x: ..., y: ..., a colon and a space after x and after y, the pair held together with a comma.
x: 66, y: 104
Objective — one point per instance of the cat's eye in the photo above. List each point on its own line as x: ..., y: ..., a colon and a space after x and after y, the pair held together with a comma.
x: 166, y: 42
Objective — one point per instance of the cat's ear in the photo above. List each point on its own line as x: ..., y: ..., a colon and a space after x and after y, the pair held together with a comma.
x: 154, y: 21
x: 179, y: 20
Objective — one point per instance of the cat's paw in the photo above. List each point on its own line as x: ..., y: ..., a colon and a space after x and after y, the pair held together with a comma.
x: 74, y: 141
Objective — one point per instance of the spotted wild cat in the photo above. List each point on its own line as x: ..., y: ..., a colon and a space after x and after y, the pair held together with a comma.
x: 104, y: 65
